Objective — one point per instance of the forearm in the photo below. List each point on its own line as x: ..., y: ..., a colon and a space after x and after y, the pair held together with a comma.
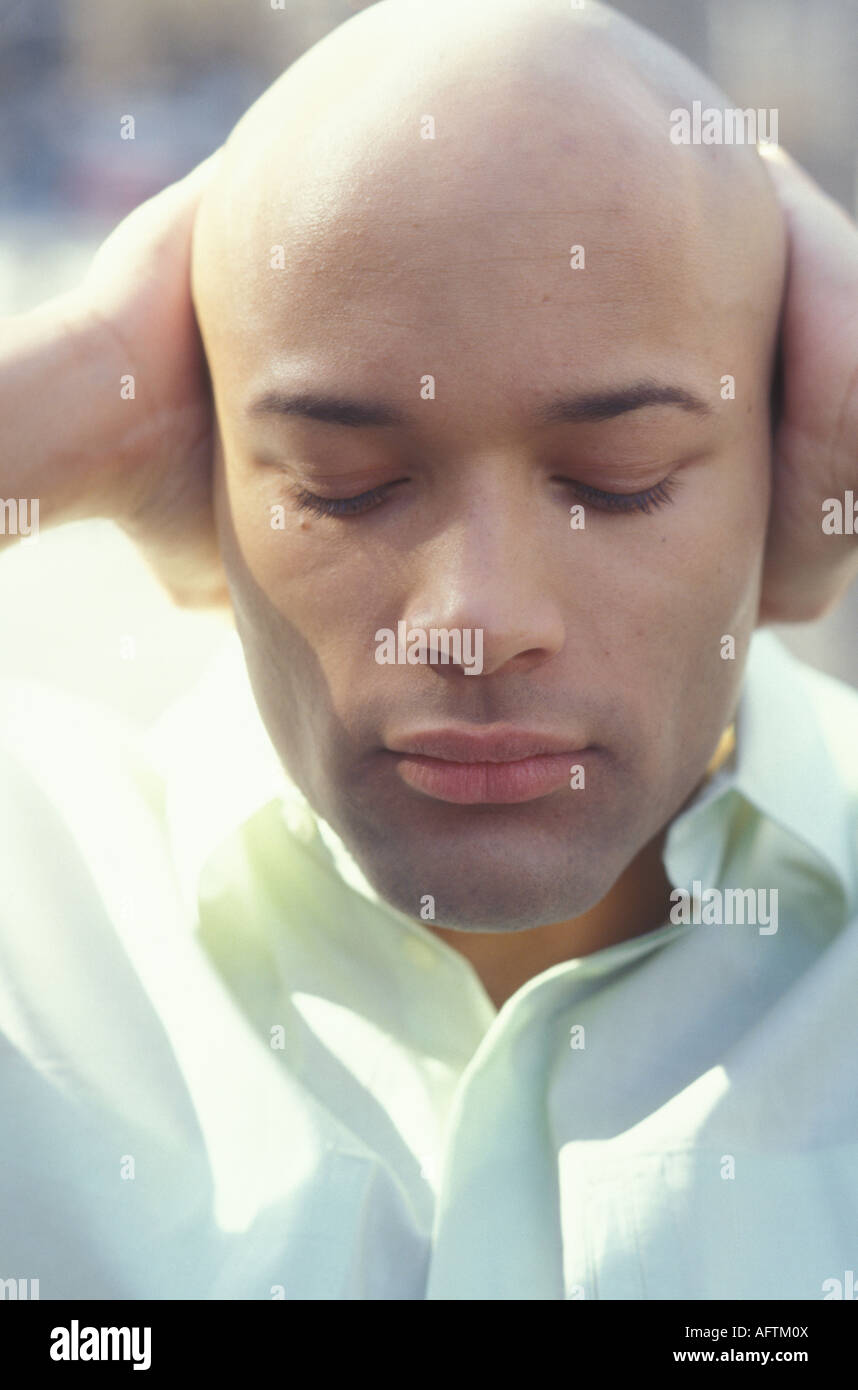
x: 61, y: 413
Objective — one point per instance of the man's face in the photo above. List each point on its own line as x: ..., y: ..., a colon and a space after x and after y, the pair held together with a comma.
x: 452, y: 261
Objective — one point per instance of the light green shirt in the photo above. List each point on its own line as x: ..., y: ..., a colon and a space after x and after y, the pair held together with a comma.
x: 228, y: 1071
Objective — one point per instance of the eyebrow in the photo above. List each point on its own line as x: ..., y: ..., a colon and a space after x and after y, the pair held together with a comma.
x: 606, y: 405
x: 591, y: 406
x: 331, y: 410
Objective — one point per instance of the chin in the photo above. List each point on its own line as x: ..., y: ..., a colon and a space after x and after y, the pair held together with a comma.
x: 471, y: 894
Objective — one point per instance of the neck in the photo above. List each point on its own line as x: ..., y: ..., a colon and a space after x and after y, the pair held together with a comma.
x: 638, y: 902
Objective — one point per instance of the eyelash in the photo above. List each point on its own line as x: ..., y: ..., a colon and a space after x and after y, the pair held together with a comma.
x: 342, y: 506
x: 646, y: 502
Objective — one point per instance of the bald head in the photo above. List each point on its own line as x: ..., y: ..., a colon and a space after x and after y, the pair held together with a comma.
x: 413, y: 132
x: 452, y: 276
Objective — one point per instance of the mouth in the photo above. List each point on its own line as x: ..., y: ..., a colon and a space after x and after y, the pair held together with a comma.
x: 501, y: 765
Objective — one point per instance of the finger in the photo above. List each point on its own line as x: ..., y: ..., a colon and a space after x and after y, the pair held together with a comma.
x: 819, y: 227
x: 816, y: 442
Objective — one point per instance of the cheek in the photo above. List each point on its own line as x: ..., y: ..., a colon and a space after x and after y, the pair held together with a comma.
x: 693, y: 569
x: 677, y: 605
x: 724, y: 546
x: 302, y: 587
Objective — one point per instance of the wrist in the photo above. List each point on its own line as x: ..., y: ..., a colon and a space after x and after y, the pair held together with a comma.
x: 61, y: 428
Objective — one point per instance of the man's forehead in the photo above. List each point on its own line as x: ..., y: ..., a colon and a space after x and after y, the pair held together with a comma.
x: 482, y: 306
x: 419, y: 251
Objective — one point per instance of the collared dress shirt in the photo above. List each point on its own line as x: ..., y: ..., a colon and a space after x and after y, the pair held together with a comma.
x: 229, y: 1071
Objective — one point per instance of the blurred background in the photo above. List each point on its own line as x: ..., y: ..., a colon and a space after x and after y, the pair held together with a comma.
x: 86, y: 614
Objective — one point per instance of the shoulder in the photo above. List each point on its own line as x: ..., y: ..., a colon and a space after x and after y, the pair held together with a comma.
x: 81, y: 807
x: 73, y: 749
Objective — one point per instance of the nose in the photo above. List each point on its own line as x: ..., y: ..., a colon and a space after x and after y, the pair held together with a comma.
x: 488, y: 572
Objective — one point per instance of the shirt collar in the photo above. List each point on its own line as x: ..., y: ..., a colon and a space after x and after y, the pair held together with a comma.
x: 782, y: 767
x: 220, y: 768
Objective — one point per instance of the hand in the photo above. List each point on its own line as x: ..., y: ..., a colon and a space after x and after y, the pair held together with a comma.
x: 136, y: 298
x: 816, y: 440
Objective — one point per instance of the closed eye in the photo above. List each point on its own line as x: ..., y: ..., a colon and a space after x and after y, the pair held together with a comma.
x: 646, y: 501
x: 344, y: 506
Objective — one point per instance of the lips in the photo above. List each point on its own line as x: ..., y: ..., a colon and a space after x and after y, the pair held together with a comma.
x: 501, y: 765
x: 500, y: 744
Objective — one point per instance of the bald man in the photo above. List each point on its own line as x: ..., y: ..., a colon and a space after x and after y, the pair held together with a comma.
x: 522, y: 871
x: 448, y: 260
